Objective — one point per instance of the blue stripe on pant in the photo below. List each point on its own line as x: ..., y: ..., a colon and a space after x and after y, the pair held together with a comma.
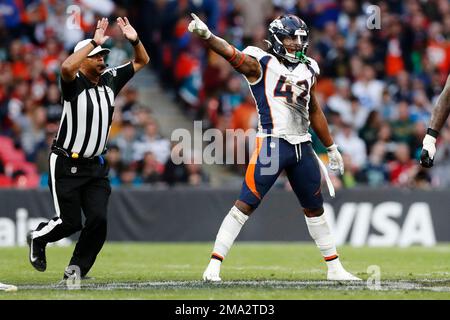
x: 271, y: 157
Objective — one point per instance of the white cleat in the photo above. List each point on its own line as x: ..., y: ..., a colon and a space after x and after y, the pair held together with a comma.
x: 212, y: 272
x: 207, y: 277
x: 7, y: 287
x: 341, y: 275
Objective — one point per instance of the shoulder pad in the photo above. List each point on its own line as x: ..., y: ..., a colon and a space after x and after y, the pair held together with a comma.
x: 255, y: 52
x: 314, y: 65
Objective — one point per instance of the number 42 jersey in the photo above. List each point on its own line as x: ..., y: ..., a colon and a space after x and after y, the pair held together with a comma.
x: 282, y: 96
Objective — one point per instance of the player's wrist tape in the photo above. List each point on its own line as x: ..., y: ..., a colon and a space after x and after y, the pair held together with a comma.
x: 332, y: 147
x: 207, y: 35
x: 433, y: 133
x: 94, y: 43
x: 135, y: 42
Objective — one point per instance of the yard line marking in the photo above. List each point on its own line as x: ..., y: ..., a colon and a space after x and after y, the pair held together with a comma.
x: 436, y: 285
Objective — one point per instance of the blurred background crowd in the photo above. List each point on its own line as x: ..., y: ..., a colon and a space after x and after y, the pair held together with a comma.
x: 377, y: 85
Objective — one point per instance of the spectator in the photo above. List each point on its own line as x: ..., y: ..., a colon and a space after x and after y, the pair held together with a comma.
x: 150, y: 169
x: 421, y: 108
x: 375, y: 173
x: 244, y: 115
x: 152, y: 142
x: 356, y: 115
x: 349, y: 176
x: 401, y: 89
x: 437, y: 49
x: 232, y: 97
x: 130, y: 102
x: 127, y: 142
x: 368, y: 89
x: 370, y: 131
x: 174, y: 170
x: 394, y: 62
x: 114, y: 158
x: 187, y: 172
x: 352, y: 145
x: 420, y: 129
x: 52, y: 104
x: 403, y: 126
x: 402, y: 169
x: 388, y: 108
x: 32, y: 128
x: 129, y: 177
x: 340, y: 100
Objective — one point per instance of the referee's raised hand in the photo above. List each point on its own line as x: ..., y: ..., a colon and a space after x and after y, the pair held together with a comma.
x: 127, y: 30
x: 99, y: 35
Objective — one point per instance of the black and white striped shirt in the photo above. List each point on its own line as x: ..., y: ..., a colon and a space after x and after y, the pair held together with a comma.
x: 88, y: 111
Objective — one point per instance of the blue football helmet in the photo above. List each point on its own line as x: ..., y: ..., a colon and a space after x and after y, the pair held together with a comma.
x: 289, y: 26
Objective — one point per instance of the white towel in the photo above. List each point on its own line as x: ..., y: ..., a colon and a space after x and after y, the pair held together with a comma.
x: 324, y: 170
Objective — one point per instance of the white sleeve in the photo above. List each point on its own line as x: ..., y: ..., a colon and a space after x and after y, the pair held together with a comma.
x: 258, y: 54
x: 254, y: 52
x: 314, y: 65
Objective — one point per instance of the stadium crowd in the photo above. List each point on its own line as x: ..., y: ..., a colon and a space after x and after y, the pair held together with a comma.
x: 377, y: 85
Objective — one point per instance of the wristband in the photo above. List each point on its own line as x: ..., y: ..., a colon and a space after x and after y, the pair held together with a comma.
x: 240, y: 62
x: 433, y: 133
x: 233, y: 56
x: 135, y: 42
x: 94, y: 43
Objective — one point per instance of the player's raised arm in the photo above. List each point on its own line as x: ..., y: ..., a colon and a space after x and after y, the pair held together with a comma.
x: 320, y: 126
x: 438, y: 117
x: 246, y: 65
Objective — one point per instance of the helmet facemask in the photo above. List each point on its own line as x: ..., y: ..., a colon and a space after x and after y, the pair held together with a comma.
x: 295, y: 46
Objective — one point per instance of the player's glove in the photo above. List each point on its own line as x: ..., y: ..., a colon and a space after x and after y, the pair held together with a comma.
x: 335, y: 158
x: 428, y: 151
x: 198, y: 27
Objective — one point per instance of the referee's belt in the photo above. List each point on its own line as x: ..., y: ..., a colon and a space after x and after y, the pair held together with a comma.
x: 61, y: 152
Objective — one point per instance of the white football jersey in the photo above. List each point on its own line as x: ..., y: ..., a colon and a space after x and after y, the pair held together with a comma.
x: 282, y: 96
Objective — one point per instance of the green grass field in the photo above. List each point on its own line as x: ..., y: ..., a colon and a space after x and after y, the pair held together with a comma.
x: 251, y: 271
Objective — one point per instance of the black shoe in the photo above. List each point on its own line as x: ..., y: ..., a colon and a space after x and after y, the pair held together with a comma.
x: 37, y: 253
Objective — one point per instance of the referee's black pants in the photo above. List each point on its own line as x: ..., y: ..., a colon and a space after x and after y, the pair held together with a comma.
x: 78, y: 185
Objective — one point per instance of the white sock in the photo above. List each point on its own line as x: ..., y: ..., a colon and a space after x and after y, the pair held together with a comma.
x: 229, y: 230
x: 334, y: 264
x: 321, y: 234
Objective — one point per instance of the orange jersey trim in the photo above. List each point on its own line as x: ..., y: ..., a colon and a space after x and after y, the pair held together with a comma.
x: 250, y: 174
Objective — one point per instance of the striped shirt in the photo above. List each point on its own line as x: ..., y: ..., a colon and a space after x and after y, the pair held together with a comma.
x: 88, y: 110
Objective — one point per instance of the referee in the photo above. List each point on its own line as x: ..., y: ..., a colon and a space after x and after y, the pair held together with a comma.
x: 78, y: 171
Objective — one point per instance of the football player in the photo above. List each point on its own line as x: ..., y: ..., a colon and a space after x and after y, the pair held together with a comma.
x: 282, y: 81
x: 438, y: 117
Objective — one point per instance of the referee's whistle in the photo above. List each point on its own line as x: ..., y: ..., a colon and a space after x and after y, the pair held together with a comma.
x: 75, y: 155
